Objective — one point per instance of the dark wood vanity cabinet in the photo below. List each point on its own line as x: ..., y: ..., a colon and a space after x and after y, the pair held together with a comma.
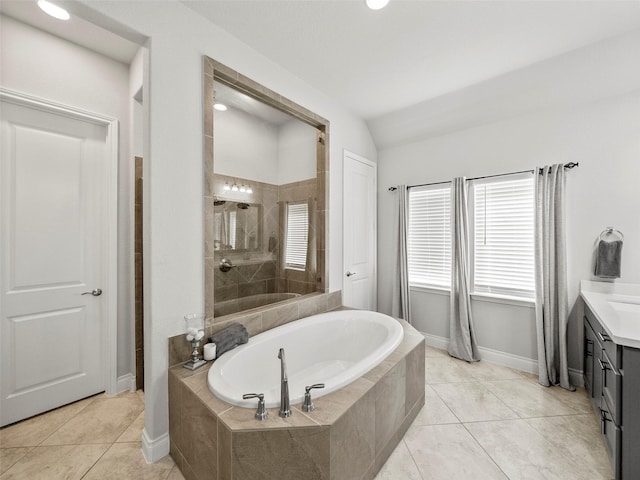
x: 612, y: 380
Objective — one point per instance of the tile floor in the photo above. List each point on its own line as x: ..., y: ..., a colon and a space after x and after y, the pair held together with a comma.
x: 480, y: 421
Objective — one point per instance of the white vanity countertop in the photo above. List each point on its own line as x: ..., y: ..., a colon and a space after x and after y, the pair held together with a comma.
x: 617, y: 307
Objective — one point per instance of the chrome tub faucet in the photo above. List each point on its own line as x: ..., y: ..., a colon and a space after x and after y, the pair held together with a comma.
x: 285, y: 407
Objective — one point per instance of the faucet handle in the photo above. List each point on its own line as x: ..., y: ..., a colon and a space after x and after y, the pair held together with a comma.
x: 261, y: 412
x: 307, y: 405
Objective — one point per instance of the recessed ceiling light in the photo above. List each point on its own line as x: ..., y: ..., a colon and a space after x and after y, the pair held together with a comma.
x: 54, y: 10
x: 221, y: 107
x: 377, y: 4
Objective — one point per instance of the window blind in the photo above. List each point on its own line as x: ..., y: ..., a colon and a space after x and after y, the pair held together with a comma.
x: 297, y: 233
x: 429, y: 236
x: 504, y: 236
x: 232, y: 229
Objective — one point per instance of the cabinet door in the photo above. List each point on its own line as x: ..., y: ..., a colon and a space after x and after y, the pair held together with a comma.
x: 612, y: 435
x: 588, y: 363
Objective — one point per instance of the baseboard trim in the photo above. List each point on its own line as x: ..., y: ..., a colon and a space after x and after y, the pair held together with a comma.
x: 126, y: 383
x: 156, y: 449
x: 576, y: 377
x: 510, y: 360
x: 494, y: 356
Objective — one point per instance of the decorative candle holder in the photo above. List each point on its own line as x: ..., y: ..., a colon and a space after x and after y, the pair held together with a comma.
x: 195, y: 332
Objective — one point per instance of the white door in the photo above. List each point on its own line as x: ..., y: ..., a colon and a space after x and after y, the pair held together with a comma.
x: 53, y: 168
x: 360, y: 211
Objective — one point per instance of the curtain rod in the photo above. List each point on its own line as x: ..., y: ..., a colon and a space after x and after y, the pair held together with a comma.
x: 568, y: 166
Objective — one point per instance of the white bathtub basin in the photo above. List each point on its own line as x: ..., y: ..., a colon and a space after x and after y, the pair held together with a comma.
x: 333, y: 348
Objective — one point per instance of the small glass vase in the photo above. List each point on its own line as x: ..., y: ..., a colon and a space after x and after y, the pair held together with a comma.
x: 194, y: 323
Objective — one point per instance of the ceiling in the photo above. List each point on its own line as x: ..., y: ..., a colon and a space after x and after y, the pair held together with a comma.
x: 76, y: 30
x: 378, y: 62
x: 413, y: 69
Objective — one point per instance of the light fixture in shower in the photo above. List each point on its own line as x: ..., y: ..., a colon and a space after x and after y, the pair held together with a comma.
x: 221, y: 107
x: 53, y: 10
x: 376, y: 4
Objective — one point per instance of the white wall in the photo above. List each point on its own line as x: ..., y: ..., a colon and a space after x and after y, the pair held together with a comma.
x: 604, y: 136
x: 173, y: 170
x: 43, y: 65
x: 245, y: 147
x: 297, y: 152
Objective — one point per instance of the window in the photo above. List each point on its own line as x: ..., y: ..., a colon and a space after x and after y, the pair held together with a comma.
x: 503, y: 236
x: 297, y: 233
x: 429, y: 236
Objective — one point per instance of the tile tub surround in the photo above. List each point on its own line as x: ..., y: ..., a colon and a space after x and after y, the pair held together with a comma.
x: 349, y: 436
x: 258, y: 320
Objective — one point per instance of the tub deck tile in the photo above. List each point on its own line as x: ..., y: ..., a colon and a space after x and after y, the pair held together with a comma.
x: 330, y: 408
x: 242, y: 419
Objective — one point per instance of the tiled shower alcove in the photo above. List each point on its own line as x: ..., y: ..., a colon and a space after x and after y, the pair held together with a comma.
x: 349, y: 436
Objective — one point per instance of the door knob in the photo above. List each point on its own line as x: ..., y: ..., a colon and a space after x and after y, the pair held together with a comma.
x: 96, y: 292
x: 349, y: 274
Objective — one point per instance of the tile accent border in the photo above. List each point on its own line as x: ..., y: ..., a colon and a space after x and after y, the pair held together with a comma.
x: 349, y: 436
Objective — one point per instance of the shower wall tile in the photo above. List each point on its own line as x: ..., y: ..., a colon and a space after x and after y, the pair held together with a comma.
x: 252, y: 288
x: 225, y: 279
x: 302, y: 288
x: 226, y: 293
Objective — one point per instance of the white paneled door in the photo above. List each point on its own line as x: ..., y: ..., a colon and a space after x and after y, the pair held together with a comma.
x: 53, y: 172
x: 360, y: 211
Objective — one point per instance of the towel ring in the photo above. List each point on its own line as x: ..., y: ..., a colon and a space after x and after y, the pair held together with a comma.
x: 611, y: 231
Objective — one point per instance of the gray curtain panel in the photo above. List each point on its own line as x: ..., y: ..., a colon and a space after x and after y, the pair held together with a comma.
x: 401, y: 307
x: 462, y: 336
x: 552, y: 307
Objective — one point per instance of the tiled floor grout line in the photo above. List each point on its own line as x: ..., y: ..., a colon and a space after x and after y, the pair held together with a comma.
x: 96, y: 462
x: 446, y: 404
x: 415, y: 464
x: 486, y: 452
